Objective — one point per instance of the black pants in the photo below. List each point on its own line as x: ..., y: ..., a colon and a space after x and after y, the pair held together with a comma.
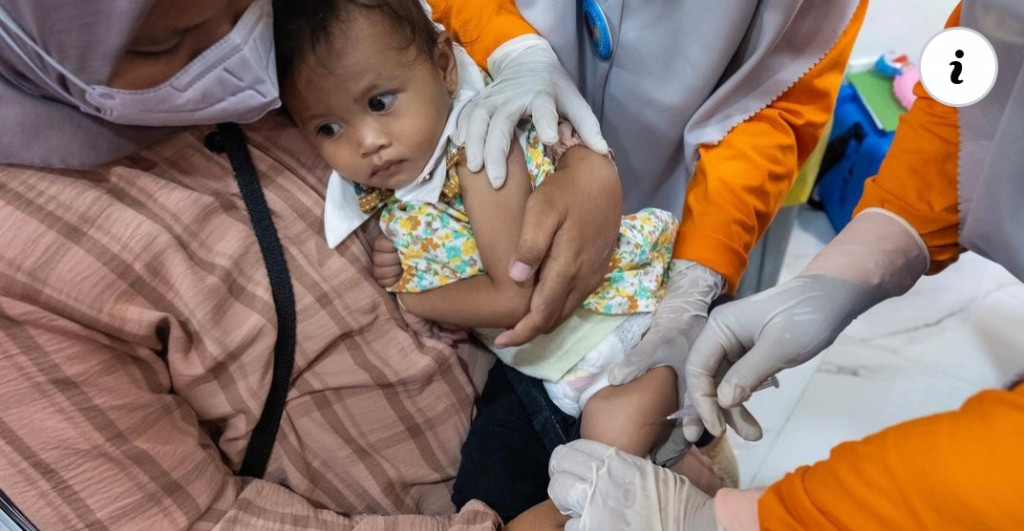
x: 505, y: 457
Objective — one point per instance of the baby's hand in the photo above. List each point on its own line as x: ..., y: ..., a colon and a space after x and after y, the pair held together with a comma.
x: 426, y: 329
x: 387, y: 267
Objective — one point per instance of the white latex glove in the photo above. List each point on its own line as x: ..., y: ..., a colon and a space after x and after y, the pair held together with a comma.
x: 677, y: 322
x: 528, y: 81
x: 601, y: 488
x: 876, y: 257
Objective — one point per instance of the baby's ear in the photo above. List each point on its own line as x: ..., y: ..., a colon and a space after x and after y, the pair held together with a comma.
x: 444, y: 58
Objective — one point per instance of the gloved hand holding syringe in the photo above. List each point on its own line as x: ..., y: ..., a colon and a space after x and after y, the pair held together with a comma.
x: 690, y: 410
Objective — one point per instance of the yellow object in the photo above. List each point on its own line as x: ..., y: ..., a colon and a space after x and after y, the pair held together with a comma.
x: 805, y: 179
x: 572, y: 341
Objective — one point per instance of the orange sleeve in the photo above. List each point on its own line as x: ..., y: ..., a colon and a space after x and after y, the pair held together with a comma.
x: 957, y: 470
x: 480, y: 26
x: 918, y: 178
x: 740, y: 183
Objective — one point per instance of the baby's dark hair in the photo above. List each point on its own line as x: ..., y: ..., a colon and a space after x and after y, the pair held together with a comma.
x: 302, y: 27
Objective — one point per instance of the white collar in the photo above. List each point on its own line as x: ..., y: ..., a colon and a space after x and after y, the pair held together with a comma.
x: 342, y: 214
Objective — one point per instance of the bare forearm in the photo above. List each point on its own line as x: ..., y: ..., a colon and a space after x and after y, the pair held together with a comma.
x: 477, y: 302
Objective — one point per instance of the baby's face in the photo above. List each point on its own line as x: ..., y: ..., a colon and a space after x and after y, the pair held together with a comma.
x: 371, y: 105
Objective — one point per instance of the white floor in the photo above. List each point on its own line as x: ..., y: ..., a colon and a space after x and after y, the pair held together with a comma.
x: 951, y: 336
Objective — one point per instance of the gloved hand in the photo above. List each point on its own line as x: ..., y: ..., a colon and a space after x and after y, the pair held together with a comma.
x: 528, y: 80
x: 602, y: 488
x: 877, y: 256
x: 677, y: 322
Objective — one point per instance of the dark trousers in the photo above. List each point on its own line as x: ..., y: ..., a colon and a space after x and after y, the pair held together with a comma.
x: 505, y: 457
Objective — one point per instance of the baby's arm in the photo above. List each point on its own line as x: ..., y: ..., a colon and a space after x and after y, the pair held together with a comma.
x: 490, y: 300
x: 493, y: 300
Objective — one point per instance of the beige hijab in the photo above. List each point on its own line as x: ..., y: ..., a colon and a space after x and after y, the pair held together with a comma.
x: 39, y: 117
x: 991, y: 184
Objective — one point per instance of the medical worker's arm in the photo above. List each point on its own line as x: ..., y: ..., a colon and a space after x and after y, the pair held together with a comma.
x: 91, y: 437
x: 737, y: 187
x: 480, y: 26
x: 740, y: 184
x: 957, y: 470
x: 918, y: 178
x: 528, y: 81
x: 907, y: 216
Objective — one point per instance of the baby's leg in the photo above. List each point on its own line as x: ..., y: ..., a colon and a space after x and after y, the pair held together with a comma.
x: 631, y: 417
x: 541, y: 517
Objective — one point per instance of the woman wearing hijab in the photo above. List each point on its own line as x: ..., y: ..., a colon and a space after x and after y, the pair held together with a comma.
x: 179, y: 349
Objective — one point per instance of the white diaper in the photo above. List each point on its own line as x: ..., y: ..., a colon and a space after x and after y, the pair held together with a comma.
x: 590, y: 374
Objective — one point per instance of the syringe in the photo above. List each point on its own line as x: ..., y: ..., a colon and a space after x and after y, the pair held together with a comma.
x: 691, y: 410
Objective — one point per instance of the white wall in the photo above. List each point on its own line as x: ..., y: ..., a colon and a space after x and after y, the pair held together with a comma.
x: 903, y: 26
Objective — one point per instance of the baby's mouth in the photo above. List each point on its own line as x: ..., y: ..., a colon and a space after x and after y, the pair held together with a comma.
x: 384, y: 168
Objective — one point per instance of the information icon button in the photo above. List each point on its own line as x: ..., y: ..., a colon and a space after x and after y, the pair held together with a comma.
x: 959, y: 67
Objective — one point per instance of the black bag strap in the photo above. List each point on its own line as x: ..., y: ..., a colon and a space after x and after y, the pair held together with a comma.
x: 12, y: 515
x: 231, y: 140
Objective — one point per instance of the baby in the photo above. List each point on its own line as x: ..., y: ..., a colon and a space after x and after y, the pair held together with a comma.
x: 377, y: 89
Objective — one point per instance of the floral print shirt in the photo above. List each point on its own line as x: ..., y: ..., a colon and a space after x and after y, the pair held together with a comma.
x: 436, y: 245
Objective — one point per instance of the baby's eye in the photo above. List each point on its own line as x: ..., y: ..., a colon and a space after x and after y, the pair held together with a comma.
x: 329, y: 130
x: 381, y: 102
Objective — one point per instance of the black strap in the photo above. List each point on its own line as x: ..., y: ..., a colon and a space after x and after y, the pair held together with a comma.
x: 13, y: 515
x: 232, y: 141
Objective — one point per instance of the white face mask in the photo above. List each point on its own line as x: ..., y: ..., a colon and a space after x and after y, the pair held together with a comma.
x: 235, y: 80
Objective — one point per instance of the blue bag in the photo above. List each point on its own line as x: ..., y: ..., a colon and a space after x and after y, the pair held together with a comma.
x: 855, y: 152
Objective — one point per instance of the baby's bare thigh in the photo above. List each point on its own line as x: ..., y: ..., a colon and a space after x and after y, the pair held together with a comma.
x: 631, y: 417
